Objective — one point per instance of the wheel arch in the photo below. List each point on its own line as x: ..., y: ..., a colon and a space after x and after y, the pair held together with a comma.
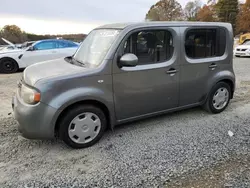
x: 227, y: 80
x: 96, y: 103
x: 231, y: 84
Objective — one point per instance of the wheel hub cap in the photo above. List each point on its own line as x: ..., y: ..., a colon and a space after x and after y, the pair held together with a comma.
x: 84, y: 128
x: 8, y: 66
x: 220, y: 98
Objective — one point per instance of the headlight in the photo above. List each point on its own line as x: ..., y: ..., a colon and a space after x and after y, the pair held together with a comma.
x: 29, y: 95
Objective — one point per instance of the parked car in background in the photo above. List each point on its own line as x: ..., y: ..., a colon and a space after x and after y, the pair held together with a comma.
x: 242, y: 50
x: 44, y: 50
x: 111, y: 80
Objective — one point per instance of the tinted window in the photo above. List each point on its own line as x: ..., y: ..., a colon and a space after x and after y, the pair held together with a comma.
x: 65, y: 44
x: 150, y: 46
x: 45, y: 45
x: 62, y: 44
x: 72, y: 44
x: 203, y: 43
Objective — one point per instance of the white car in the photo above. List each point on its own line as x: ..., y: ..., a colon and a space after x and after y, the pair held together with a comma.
x: 7, y: 48
x: 44, y: 50
x: 242, y: 50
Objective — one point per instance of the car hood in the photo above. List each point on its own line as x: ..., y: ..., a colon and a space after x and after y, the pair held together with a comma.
x: 243, y: 47
x: 49, y: 69
x: 5, y: 51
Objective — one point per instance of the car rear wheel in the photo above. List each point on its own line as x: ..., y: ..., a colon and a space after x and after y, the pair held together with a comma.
x: 218, y: 98
x: 82, y: 126
x: 8, y: 66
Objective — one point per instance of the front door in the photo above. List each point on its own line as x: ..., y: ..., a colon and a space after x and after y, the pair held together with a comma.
x: 153, y: 85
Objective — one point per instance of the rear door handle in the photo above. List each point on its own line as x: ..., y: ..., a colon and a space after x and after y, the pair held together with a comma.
x: 213, y: 66
x: 171, y: 71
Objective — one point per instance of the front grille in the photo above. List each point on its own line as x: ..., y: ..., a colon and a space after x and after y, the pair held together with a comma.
x: 242, y: 50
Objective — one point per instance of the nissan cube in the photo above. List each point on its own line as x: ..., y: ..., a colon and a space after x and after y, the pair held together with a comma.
x: 126, y: 72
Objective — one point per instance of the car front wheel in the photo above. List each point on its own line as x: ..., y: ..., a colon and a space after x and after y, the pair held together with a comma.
x: 82, y: 126
x: 8, y: 66
x: 218, y: 98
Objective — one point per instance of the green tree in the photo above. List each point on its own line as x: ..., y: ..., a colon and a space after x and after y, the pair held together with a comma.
x: 191, y: 9
x: 227, y: 11
x: 165, y: 10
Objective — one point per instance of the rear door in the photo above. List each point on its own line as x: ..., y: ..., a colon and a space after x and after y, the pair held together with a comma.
x: 153, y: 85
x: 202, y: 58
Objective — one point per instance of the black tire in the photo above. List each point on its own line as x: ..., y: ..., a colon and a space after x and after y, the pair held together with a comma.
x: 237, y: 56
x: 64, y: 124
x: 208, y: 106
x: 8, y: 66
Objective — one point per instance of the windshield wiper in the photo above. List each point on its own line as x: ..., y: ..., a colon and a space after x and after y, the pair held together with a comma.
x: 73, y: 60
x: 80, y: 62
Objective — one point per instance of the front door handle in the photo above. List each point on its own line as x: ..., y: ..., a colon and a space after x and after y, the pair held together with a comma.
x: 171, y: 72
x: 212, y: 66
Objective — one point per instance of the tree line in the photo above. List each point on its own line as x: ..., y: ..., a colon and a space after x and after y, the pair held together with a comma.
x: 231, y: 11
x: 15, y: 35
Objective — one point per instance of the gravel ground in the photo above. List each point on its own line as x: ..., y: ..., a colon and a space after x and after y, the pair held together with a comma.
x: 190, y: 148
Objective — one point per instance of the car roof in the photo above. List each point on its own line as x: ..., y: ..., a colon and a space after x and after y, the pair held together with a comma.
x: 162, y: 23
x: 52, y: 40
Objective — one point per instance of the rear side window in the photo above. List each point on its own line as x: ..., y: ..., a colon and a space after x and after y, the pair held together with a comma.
x: 62, y: 44
x: 66, y: 44
x: 150, y: 47
x: 205, y: 43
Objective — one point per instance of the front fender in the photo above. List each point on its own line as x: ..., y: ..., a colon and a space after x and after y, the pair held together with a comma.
x: 72, y: 96
x: 60, y: 100
x: 13, y: 56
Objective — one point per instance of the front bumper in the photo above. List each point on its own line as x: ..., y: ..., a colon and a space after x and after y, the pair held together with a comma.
x: 35, y: 121
x: 239, y: 53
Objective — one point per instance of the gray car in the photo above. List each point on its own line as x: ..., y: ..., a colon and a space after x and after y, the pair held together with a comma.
x: 125, y: 72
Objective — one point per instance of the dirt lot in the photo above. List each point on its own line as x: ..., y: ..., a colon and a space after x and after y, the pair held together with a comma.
x: 190, y: 148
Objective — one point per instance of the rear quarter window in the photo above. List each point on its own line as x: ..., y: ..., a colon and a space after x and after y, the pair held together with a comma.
x: 66, y: 44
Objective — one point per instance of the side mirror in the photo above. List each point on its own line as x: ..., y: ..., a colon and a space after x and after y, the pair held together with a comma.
x: 31, y: 48
x: 128, y: 60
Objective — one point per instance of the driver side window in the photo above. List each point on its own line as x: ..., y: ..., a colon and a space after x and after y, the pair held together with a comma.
x: 45, y: 45
x: 150, y: 47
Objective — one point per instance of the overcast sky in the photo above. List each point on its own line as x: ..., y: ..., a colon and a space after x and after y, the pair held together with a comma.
x: 71, y: 16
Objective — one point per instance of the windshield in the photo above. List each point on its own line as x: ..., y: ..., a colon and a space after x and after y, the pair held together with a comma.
x: 247, y: 43
x: 95, y: 46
